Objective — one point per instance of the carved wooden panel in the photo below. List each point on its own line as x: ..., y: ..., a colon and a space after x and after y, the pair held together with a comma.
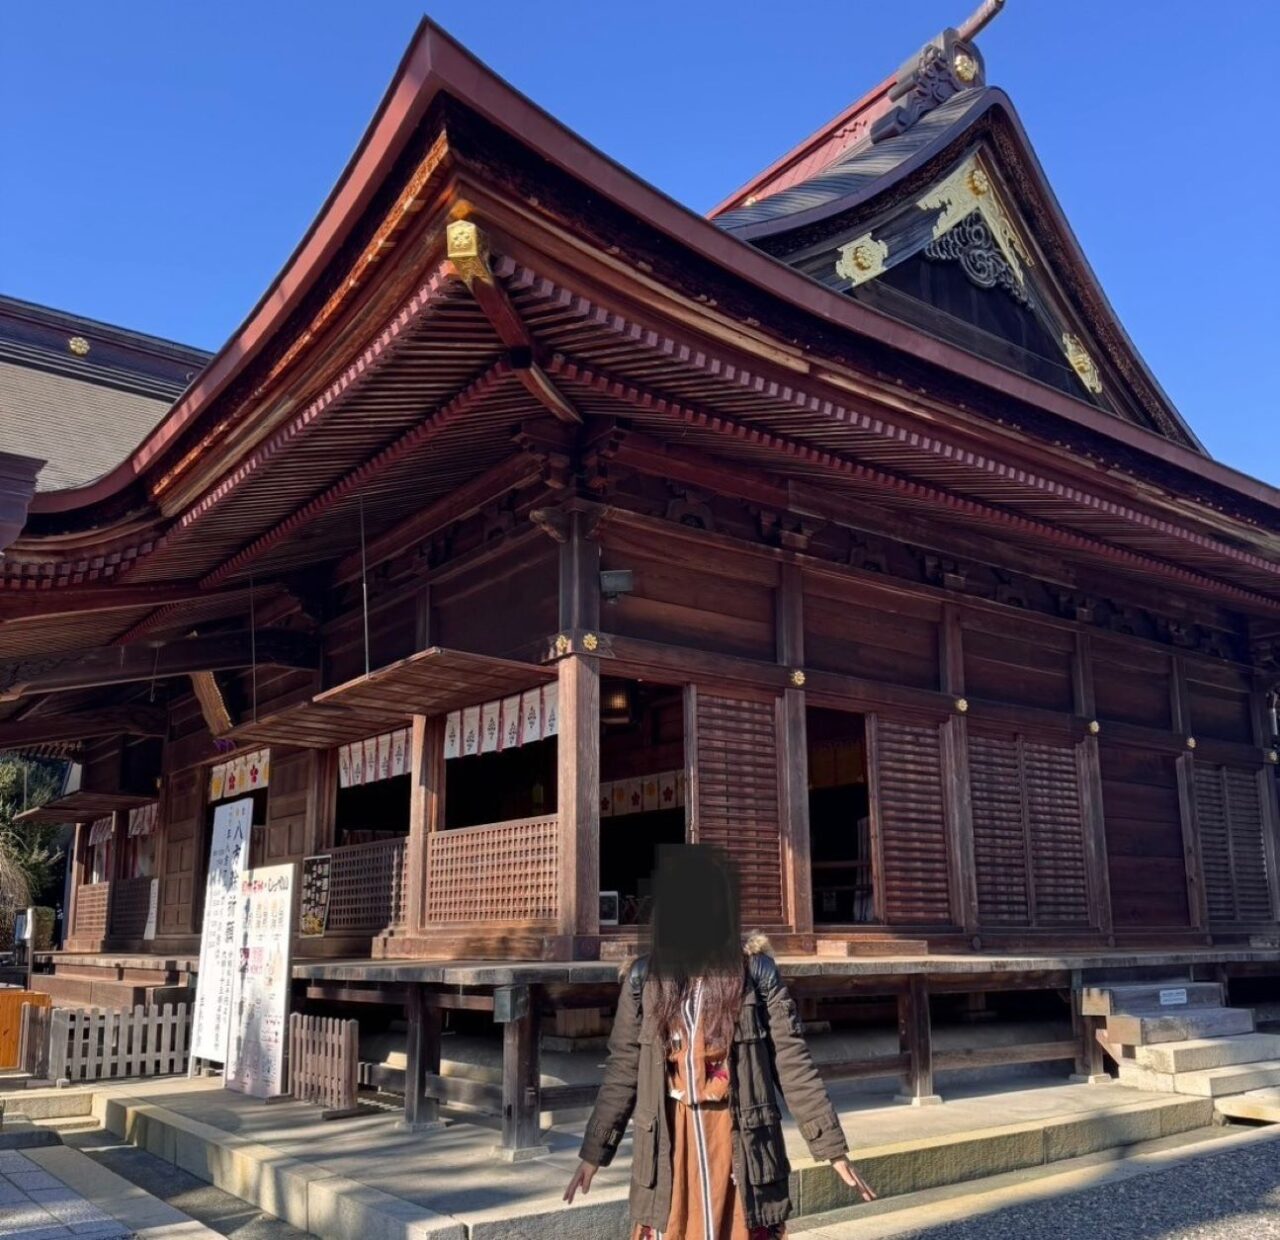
x: 1233, y: 857
x: 183, y: 810
x: 737, y: 798
x: 908, y: 820
x: 366, y: 886
x: 502, y: 871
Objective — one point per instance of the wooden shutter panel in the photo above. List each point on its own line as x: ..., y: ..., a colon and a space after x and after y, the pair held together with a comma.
x: 1028, y: 833
x: 909, y: 821
x: 183, y: 809
x: 1055, y: 828
x: 999, y: 832
x: 1231, y: 823
x: 737, y: 797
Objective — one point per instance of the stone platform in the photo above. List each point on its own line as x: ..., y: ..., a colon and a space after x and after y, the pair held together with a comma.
x: 365, y: 1179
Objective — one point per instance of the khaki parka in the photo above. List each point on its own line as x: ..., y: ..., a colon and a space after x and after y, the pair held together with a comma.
x: 768, y: 1048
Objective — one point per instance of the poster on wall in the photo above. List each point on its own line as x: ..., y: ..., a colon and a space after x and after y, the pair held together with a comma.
x: 260, y: 1007
x: 215, y: 986
x: 153, y: 907
x: 313, y: 906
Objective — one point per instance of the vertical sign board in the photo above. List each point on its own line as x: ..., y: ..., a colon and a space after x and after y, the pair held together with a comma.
x: 153, y: 904
x: 313, y: 914
x: 215, y: 986
x: 260, y: 1010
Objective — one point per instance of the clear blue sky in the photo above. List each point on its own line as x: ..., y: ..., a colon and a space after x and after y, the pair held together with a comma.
x: 160, y: 160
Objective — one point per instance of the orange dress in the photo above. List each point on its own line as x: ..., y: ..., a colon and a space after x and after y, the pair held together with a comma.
x: 705, y: 1203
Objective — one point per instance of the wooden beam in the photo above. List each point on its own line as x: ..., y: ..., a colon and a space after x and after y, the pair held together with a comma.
x: 157, y: 660
x: 35, y: 601
x: 793, y: 751
x: 45, y: 729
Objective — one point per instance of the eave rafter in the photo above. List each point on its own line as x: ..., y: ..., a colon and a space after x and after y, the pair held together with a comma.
x: 653, y: 402
x: 928, y: 442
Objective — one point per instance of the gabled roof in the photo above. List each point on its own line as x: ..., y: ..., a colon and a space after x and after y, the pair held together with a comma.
x: 81, y: 394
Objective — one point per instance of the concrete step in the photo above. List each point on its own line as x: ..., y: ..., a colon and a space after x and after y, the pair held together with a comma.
x: 1208, y: 1083
x: 1258, y: 1105
x: 1196, y: 1054
x: 1142, y: 1029
x: 1150, y: 997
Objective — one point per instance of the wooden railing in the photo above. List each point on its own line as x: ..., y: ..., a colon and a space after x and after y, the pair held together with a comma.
x: 502, y: 871
x: 91, y: 910
x: 367, y: 887
x: 129, y: 903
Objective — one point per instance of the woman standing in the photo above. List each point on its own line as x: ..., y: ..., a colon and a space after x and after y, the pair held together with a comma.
x: 704, y: 1029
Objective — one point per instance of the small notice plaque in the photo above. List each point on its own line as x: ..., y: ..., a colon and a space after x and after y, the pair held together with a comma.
x: 313, y: 914
x: 1173, y: 998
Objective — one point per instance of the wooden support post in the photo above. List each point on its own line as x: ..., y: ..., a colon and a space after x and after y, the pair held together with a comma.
x: 1090, y: 1067
x: 426, y: 780
x: 422, y: 1060
x: 579, y: 803
x: 958, y: 816
x: 514, y: 1007
x: 793, y: 754
x: 915, y: 1040
x: 1196, y: 902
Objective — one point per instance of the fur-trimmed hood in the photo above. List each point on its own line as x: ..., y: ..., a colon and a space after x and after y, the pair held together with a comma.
x: 756, y: 943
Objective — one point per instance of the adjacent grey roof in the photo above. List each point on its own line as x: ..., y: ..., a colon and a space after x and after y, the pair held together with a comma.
x: 859, y: 169
x: 83, y: 430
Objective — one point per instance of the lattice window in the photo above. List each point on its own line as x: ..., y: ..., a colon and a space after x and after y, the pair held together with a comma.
x: 504, y: 871
x: 130, y: 903
x: 366, y: 887
x: 91, y: 910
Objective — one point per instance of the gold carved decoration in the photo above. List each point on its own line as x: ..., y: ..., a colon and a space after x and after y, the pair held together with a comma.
x: 590, y: 642
x: 968, y: 189
x: 78, y: 345
x: 861, y: 259
x: 1094, y: 727
x: 1081, y: 362
x: 965, y: 67
x: 562, y: 644
x: 1273, y: 755
x: 1191, y: 742
x: 798, y: 678
x: 468, y: 251
x: 962, y: 705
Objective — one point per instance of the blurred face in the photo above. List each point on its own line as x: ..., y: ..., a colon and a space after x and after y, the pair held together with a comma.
x: 695, y: 918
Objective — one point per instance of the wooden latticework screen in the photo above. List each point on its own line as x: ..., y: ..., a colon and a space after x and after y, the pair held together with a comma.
x: 502, y: 871
x: 91, y: 910
x: 909, y: 820
x: 1028, y: 833
x: 737, y: 798
x: 366, y: 887
x: 1233, y: 855
x: 130, y: 903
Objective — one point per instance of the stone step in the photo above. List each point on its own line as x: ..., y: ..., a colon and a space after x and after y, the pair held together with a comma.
x: 1150, y: 997
x: 1138, y: 1029
x: 1259, y: 1105
x: 1209, y: 1083
x: 1196, y: 1054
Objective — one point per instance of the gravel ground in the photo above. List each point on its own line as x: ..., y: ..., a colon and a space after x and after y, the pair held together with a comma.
x: 201, y: 1201
x: 1234, y: 1195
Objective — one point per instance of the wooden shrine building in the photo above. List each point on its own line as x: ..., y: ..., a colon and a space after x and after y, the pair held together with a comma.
x: 530, y: 521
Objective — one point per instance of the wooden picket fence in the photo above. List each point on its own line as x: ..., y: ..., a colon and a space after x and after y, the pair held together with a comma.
x: 88, y: 1044
x: 324, y: 1055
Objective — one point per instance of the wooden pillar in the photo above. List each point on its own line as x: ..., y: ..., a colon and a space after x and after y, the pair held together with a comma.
x: 579, y: 801
x: 1196, y: 903
x: 515, y: 1008
x: 422, y: 1059
x: 77, y: 878
x: 957, y: 805
x: 915, y: 1040
x: 1089, y: 778
x: 793, y: 754
x: 1090, y: 1066
x: 426, y: 783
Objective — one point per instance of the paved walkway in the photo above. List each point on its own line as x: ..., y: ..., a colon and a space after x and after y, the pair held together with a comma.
x: 35, y: 1205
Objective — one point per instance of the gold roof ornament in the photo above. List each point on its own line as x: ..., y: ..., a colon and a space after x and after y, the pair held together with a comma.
x: 1081, y: 362
x: 78, y: 345
x: 862, y: 259
x: 968, y: 189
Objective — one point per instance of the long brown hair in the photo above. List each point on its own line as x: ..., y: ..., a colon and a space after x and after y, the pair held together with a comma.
x: 697, y: 937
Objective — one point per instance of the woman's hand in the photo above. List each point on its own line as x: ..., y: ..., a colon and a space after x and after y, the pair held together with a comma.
x: 844, y: 1169
x: 582, y: 1180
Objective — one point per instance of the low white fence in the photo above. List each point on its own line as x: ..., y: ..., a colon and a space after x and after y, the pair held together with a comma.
x: 90, y: 1044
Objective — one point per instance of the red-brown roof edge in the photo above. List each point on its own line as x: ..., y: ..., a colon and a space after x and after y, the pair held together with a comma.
x: 435, y: 62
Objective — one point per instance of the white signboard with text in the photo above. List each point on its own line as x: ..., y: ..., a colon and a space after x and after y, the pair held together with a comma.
x: 219, y: 935
x: 260, y: 1010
